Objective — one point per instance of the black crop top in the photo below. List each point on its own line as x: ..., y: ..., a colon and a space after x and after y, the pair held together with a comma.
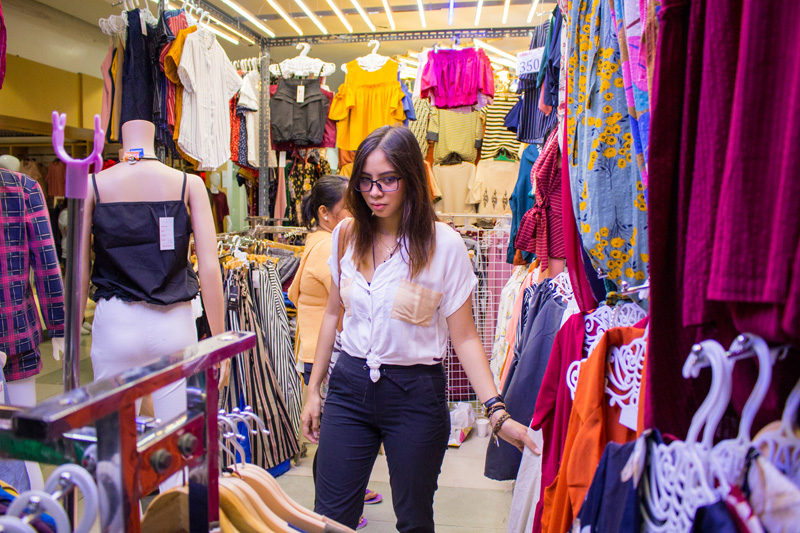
x: 142, y: 251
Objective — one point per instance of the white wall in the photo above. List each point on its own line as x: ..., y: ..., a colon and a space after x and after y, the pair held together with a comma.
x: 41, y: 33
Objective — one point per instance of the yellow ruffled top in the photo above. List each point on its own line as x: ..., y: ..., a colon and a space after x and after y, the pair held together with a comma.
x: 365, y: 102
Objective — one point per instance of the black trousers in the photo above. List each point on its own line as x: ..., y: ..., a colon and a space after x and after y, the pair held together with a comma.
x: 406, y: 410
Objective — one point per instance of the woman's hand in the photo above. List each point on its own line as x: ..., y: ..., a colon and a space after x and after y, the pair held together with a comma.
x: 514, y: 433
x: 311, y: 416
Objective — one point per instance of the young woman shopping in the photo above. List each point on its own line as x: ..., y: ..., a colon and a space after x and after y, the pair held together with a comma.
x: 405, y: 281
x: 322, y: 209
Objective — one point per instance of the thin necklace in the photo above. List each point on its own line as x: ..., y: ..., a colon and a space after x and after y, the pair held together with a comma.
x: 390, y: 250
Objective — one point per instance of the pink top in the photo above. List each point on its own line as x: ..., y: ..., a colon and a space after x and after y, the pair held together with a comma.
x: 455, y: 78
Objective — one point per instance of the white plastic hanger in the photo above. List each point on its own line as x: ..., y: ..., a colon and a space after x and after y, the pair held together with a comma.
x: 68, y: 475
x: 781, y: 446
x: 677, y: 478
x: 302, y: 65
x: 46, y: 502
x: 730, y: 454
x: 372, y: 61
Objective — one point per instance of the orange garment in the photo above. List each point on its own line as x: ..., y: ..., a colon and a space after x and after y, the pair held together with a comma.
x: 433, y: 185
x: 171, y: 63
x: 592, y: 425
x: 346, y: 170
x: 511, y: 334
x: 365, y: 102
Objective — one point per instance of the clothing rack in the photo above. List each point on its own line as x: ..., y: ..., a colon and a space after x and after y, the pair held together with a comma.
x: 128, y: 465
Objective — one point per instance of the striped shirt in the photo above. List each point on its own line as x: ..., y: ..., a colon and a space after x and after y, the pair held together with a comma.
x: 419, y: 127
x: 26, y: 241
x: 209, y: 82
x: 496, y: 136
x: 455, y: 132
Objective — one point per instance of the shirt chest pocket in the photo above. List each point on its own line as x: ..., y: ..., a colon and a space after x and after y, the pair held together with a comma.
x: 415, y: 304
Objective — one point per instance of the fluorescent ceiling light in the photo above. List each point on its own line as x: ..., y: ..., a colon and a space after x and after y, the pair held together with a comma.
x: 503, y: 61
x: 249, y: 16
x: 505, y: 11
x: 408, y: 61
x: 312, y: 16
x: 478, y: 12
x: 450, y: 12
x: 533, y: 10
x: 339, y: 14
x: 389, y: 13
x: 225, y: 36
x: 219, y: 23
x: 363, y: 14
x: 421, y: 14
x: 495, y: 50
x: 282, y: 12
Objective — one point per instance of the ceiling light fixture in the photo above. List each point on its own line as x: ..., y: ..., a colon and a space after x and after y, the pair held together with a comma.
x: 218, y: 23
x: 339, y: 14
x: 505, y: 10
x: 533, y: 10
x: 503, y: 61
x: 408, y: 61
x: 478, y: 12
x: 389, y: 14
x: 312, y: 16
x: 249, y: 16
x: 421, y: 14
x: 285, y: 16
x: 225, y: 36
x: 450, y: 12
x: 495, y: 50
x: 363, y: 14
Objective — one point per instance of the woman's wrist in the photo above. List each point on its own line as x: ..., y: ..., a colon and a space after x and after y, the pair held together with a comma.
x: 495, y: 416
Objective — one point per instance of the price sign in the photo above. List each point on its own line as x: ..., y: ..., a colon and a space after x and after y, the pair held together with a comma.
x: 529, y: 61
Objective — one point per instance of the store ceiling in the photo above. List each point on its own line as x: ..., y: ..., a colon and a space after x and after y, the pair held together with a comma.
x: 405, y: 13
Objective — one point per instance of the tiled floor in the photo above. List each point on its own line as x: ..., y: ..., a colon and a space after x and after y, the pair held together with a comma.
x: 466, y: 501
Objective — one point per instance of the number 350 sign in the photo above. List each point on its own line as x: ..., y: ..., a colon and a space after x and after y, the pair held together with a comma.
x: 529, y: 61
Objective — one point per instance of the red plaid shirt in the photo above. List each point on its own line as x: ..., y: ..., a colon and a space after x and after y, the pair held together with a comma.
x: 26, y: 241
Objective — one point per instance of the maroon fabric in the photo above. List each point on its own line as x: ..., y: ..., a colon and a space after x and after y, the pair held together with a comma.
x: 572, y: 241
x: 3, y: 40
x: 759, y: 201
x: 554, y: 404
x: 752, y: 193
x: 541, y: 229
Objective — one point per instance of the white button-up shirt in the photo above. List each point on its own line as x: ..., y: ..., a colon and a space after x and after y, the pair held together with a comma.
x: 398, y: 321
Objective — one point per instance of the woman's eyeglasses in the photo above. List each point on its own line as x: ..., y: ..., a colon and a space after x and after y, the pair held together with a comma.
x: 389, y: 184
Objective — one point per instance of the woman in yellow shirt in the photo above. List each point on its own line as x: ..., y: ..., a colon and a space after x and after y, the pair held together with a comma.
x: 322, y: 209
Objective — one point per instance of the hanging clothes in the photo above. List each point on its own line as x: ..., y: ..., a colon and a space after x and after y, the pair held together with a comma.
x: 455, y: 182
x: 541, y: 229
x: 366, y: 101
x: 592, y: 424
x: 522, y: 201
x: 540, y: 323
x: 209, y: 82
x: 172, y: 63
x: 494, y: 185
x: 419, y: 127
x: 455, y: 133
x: 56, y: 178
x: 457, y: 78
x: 328, y: 136
x: 496, y: 136
x: 105, y: 71
x: 303, y: 176
x: 298, y: 112
x: 253, y: 379
x: 137, y: 73
x: 601, y: 150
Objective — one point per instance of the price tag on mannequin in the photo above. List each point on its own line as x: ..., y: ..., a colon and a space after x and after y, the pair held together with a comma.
x: 166, y: 227
x: 529, y: 61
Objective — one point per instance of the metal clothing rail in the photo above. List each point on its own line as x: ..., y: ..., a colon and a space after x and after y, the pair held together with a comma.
x: 435, y: 35
x: 126, y: 464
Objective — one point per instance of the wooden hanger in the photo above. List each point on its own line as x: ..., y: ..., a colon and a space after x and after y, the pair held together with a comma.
x: 169, y: 511
x: 254, y: 502
x: 238, y: 514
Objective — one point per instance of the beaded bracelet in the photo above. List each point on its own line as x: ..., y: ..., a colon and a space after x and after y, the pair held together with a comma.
x: 498, y: 425
x: 498, y: 406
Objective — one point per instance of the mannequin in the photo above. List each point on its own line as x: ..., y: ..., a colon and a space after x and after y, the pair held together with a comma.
x: 9, y: 162
x: 136, y: 319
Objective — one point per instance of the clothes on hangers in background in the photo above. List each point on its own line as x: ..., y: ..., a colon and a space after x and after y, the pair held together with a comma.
x: 422, y: 110
x: 366, y: 101
x: 453, y: 132
x: 453, y: 79
x: 493, y: 186
x: 455, y: 182
x: 496, y: 136
x: 299, y: 111
x: 521, y: 202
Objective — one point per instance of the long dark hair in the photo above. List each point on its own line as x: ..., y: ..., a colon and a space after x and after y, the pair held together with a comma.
x: 327, y: 191
x: 417, y: 223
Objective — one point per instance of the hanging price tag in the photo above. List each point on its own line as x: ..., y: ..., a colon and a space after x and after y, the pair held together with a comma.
x: 529, y: 61
x: 301, y: 94
x: 166, y: 227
